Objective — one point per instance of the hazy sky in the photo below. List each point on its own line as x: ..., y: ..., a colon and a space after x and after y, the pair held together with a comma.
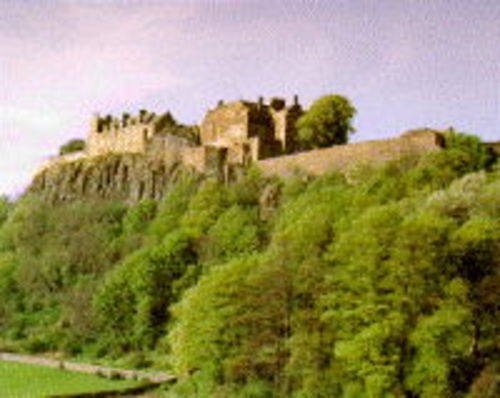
x: 403, y: 63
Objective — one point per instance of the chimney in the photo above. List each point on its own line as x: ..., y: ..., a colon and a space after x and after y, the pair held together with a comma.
x: 95, y: 123
x: 125, y: 118
x: 296, y: 100
x: 108, y: 122
x: 142, y: 115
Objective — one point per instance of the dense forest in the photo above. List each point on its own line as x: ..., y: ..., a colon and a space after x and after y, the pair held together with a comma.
x: 382, y: 283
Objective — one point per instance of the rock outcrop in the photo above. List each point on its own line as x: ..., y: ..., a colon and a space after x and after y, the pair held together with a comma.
x: 124, y: 177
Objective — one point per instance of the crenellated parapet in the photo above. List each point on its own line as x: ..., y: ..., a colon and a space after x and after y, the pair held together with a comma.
x: 100, y: 124
x: 230, y: 137
x: 126, y: 134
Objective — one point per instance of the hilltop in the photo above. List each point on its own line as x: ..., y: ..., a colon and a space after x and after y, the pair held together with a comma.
x: 136, y: 157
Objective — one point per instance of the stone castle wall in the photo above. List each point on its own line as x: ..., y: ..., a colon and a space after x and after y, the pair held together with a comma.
x: 128, y: 134
x: 345, y: 157
x: 194, y: 158
x: 133, y: 157
x: 225, y: 124
x: 132, y: 177
x: 125, y: 135
x: 126, y: 140
x: 262, y: 130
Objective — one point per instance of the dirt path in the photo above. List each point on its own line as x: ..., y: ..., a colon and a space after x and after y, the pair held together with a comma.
x: 155, y: 377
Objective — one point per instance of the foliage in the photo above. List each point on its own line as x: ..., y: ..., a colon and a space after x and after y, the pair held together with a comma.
x: 5, y: 208
x: 172, y: 208
x: 74, y: 145
x: 236, y: 231
x: 382, y: 284
x: 136, y: 294
x: 219, y: 314
x: 326, y: 123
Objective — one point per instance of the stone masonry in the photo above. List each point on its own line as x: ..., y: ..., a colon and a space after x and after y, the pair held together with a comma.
x: 128, y: 134
x: 252, y: 130
x: 134, y: 157
x: 344, y: 158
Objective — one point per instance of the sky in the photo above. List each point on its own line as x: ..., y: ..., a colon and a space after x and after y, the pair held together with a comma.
x: 403, y: 63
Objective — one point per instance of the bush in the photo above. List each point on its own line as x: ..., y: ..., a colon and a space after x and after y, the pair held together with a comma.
x: 74, y: 145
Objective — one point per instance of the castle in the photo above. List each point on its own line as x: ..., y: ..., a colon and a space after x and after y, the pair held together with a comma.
x: 128, y: 134
x: 236, y: 133
x: 252, y: 131
x: 231, y: 136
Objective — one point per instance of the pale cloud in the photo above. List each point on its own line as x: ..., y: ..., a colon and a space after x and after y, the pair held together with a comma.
x: 28, y: 118
x: 85, y: 54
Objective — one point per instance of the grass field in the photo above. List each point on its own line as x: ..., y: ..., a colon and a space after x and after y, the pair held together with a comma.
x: 31, y: 381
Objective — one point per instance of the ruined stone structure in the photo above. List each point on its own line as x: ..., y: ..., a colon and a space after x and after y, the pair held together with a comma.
x: 135, y: 157
x: 343, y: 158
x: 128, y: 134
x: 239, y: 133
x: 251, y: 131
x: 150, y: 146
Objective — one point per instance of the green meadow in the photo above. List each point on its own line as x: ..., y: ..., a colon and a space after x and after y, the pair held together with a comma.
x: 32, y: 381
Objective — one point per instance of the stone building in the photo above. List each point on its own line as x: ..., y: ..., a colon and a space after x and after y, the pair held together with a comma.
x: 128, y: 134
x: 148, y: 150
x: 135, y: 157
x: 230, y: 135
x: 250, y: 131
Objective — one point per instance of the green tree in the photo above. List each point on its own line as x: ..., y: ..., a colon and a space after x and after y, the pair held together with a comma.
x: 137, y: 293
x: 327, y: 122
x: 232, y: 325
x: 173, y: 207
x: 235, y: 232
x: 5, y: 208
x: 74, y: 145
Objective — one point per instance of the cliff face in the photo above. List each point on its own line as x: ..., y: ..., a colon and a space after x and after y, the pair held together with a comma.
x: 132, y: 177
x: 126, y: 177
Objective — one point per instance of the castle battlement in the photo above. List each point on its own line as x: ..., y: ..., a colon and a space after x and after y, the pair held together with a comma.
x: 100, y: 124
x: 234, y: 135
x: 127, y: 134
x: 239, y: 131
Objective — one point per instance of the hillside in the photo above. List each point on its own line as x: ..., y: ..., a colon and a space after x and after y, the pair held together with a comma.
x: 384, y: 284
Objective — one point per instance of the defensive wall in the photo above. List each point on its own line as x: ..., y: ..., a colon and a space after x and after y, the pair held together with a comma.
x: 128, y: 134
x: 135, y: 157
x: 345, y: 157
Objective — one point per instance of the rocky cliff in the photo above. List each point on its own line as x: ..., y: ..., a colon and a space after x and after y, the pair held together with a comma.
x: 127, y: 177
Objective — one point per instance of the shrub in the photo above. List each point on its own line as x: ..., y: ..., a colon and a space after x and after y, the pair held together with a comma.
x: 74, y: 145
